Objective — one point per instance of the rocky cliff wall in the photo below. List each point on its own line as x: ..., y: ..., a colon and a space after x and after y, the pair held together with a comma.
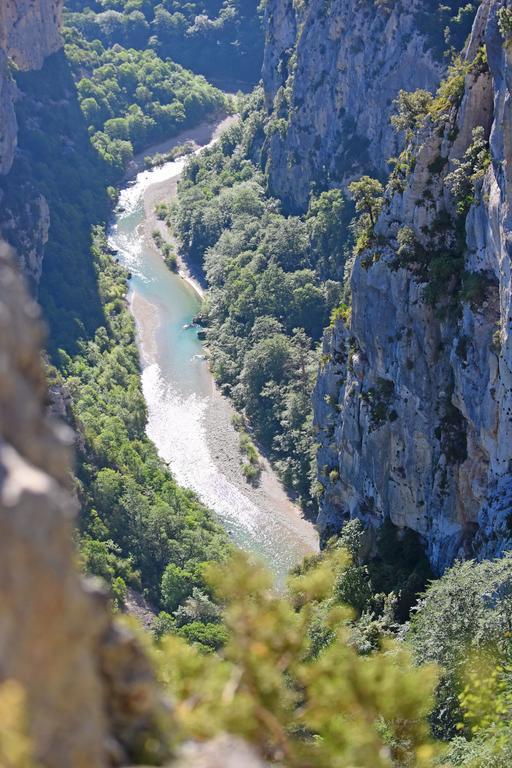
x: 30, y: 30
x: 8, y: 126
x: 331, y: 72
x: 414, y: 401
x: 90, y: 696
x: 29, y: 33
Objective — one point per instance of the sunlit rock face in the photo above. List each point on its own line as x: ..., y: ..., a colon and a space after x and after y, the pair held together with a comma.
x: 30, y: 30
x: 331, y: 72
x: 29, y: 33
x: 414, y: 402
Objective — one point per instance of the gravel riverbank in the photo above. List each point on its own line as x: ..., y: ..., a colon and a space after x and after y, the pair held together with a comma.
x: 221, y: 437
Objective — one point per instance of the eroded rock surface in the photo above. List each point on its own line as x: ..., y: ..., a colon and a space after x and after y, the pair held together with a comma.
x: 30, y: 30
x: 49, y: 628
x: 414, y: 403
x: 29, y: 33
x: 91, y: 696
x: 8, y: 125
x: 331, y: 72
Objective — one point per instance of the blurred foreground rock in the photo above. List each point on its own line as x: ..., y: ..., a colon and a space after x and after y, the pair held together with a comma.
x: 223, y: 752
x: 91, y: 697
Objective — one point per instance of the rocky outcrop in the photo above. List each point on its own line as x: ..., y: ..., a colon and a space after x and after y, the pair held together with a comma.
x: 331, y: 73
x: 49, y: 625
x: 29, y: 228
x: 30, y: 30
x: 29, y: 33
x: 91, y: 697
x: 8, y: 126
x: 414, y: 401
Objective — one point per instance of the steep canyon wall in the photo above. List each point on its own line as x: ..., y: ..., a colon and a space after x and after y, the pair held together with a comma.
x: 414, y: 400
x: 331, y: 72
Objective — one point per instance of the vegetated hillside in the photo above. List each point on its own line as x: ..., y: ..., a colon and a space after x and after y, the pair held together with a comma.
x: 274, y: 281
x: 132, y: 99
x: 221, y: 39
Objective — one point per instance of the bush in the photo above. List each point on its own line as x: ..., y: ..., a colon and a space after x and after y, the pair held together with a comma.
x: 332, y: 709
x: 468, y: 609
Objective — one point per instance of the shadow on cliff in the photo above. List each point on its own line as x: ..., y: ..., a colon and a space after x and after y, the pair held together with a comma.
x: 56, y: 159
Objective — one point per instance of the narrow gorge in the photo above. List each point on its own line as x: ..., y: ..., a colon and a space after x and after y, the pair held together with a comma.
x: 255, y: 384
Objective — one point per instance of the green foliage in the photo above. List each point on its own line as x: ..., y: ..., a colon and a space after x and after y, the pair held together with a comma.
x: 270, y: 294
x: 327, y: 231
x: 467, y: 172
x: 330, y: 710
x: 177, y: 585
x: 131, y: 99
x: 210, y: 36
x: 467, y: 610
x: 412, y: 110
x: 368, y: 196
x: 343, y: 312
x: 252, y: 467
x: 160, y: 158
x: 15, y: 742
x: 505, y: 23
x: 486, y: 702
x: 380, y: 581
x: 451, y: 90
x: 409, y: 251
x: 135, y: 520
x: 379, y: 400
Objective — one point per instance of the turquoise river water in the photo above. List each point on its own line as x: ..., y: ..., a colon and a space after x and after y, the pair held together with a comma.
x: 188, y: 420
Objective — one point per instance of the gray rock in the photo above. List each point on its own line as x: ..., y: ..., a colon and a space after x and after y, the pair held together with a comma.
x: 331, y: 72
x: 30, y: 30
x: 417, y: 425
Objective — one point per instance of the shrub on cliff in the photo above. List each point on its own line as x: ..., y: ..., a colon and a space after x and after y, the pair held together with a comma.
x: 331, y: 710
x: 468, y: 609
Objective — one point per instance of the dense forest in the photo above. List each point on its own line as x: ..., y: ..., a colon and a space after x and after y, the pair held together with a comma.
x: 221, y: 40
x: 274, y: 282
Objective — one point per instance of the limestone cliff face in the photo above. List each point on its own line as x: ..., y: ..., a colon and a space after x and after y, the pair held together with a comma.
x: 30, y: 30
x: 414, y: 402
x: 49, y: 627
x: 331, y: 72
x: 29, y: 33
x: 8, y: 125
x: 91, y: 697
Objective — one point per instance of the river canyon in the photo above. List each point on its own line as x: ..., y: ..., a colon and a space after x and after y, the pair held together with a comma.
x: 189, y: 420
